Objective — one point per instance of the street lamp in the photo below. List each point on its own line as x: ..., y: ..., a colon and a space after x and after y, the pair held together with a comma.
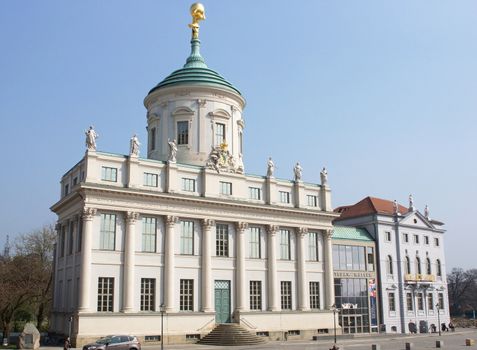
x: 335, y: 310
x: 438, y: 306
x: 162, y: 309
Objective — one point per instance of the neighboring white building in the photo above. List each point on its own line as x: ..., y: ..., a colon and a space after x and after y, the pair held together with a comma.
x: 187, y: 229
x: 412, y: 284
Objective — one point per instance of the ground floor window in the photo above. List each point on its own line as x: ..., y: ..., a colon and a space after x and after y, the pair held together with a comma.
x: 255, y: 295
x: 186, y: 295
x: 105, y: 294
x: 286, y: 296
x: 314, y: 295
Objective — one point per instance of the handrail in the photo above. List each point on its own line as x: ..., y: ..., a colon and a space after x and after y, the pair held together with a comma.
x: 207, y: 323
x: 249, y: 325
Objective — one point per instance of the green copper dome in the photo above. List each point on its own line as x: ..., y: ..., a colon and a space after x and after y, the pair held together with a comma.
x: 195, y: 72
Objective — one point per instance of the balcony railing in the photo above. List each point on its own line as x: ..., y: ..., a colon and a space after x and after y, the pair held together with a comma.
x: 419, y: 278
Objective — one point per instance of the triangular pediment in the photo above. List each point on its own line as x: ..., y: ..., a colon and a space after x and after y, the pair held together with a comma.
x: 416, y: 219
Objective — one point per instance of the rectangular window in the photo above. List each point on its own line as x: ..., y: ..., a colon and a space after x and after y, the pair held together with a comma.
x: 388, y: 236
x: 219, y: 134
x: 255, y: 193
x: 426, y: 240
x: 312, y: 201
x: 441, y: 301
x: 183, y: 133
x: 67, y: 189
x: 315, y: 295
x: 436, y: 242
x: 222, y: 240
x: 392, y: 302
x: 430, y: 301
x: 420, y: 301
x: 285, y: 244
x: 105, y: 294
x: 62, y: 241
x: 152, y: 139
x: 405, y: 237
x: 187, y: 237
x: 150, y: 180
x: 286, y: 296
x: 186, y: 302
x: 148, y: 294
x: 370, y: 259
x: 188, y: 185
x: 255, y: 242
x: 109, y: 174
x: 75, y: 181
x: 107, y: 234
x: 416, y: 239
x: 409, y: 302
x: 313, y: 246
x: 149, y: 231
x: 284, y: 197
x: 255, y: 295
x: 226, y: 188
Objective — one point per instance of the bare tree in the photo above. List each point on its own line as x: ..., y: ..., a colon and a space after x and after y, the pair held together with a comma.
x: 38, y: 247
x: 462, y: 286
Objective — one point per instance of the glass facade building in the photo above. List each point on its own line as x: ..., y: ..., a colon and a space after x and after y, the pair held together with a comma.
x: 355, y: 280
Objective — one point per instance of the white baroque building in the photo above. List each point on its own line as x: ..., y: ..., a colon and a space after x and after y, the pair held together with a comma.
x: 187, y: 231
x: 412, y: 285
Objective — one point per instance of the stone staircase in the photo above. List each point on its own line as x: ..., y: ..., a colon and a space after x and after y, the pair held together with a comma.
x: 231, y: 334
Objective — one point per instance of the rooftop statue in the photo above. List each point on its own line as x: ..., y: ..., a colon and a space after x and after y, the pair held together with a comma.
x: 172, y: 150
x: 197, y: 11
x: 395, y: 207
x: 426, y: 212
x: 270, y: 167
x: 91, y: 137
x: 324, y: 177
x: 134, y: 146
x: 411, y: 203
x: 297, y: 170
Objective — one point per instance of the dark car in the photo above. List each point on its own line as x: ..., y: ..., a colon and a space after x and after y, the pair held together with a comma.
x: 115, y: 342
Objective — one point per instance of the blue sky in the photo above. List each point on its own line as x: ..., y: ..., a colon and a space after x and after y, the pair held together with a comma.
x: 384, y: 94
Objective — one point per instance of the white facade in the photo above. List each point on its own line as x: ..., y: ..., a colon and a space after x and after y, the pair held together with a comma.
x: 411, y: 268
x: 188, y: 231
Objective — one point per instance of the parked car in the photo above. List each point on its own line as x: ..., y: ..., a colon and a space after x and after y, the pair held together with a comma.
x: 115, y: 342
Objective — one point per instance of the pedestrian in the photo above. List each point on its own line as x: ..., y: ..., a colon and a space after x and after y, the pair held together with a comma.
x: 444, y: 327
x: 451, y: 327
x: 67, y: 344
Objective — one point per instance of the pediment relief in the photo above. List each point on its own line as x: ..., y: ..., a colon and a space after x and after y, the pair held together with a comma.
x: 183, y: 110
x: 416, y: 219
x: 220, y: 113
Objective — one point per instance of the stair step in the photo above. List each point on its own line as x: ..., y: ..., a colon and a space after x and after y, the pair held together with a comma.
x: 231, y: 334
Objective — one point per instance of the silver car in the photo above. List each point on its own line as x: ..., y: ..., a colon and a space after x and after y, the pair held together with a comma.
x: 115, y: 342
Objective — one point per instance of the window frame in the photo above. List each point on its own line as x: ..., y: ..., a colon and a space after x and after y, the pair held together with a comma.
x: 225, y: 188
x: 188, y: 184
x: 187, y: 237
x: 149, y: 234
x: 186, y: 295
x: 392, y: 302
x: 150, y: 179
x: 255, y: 193
x: 255, y: 244
x: 222, y: 136
x: 285, y: 251
x: 313, y: 246
x: 312, y: 200
x: 148, y: 294
x: 109, y: 174
x: 107, y: 235
x: 286, y: 295
x: 284, y: 197
x: 314, y: 287
x: 409, y: 302
x: 222, y: 240
x: 255, y: 295
x: 105, y: 294
x: 181, y: 133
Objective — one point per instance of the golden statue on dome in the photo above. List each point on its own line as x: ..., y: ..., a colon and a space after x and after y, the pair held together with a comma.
x: 197, y: 12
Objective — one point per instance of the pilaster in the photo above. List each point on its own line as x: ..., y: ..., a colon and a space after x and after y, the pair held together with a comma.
x: 129, y: 262
x: 172, y: 183
x: 240, y: 263
x: 169, y: 281
x: 207, y: 225
x: 303, y: 300
x: 272, y: 269
x: 329, y: 279
x: 271, y: 189
x: 86, y: 251
x: 299, y: 193
x: 134, y: 178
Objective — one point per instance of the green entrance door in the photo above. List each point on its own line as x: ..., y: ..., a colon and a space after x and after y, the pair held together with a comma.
x: 222, y: 301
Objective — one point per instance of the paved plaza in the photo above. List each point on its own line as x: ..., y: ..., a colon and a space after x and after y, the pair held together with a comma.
x: 452, y: 341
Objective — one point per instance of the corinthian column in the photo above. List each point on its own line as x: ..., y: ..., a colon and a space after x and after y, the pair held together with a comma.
x: 272, y: 269
x: 128, y: 280
x: 86, y: 251
x: 330, y: 289
x: 207, y: 225
x: 169, y: 263
x: 303, y: 301
x: 240, y: 276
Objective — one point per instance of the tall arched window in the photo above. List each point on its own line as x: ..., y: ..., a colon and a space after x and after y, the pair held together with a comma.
x: 428, y: 266
x: 418, y: 265
x: 389, y: 265
x: 439, y: 268
x: 408, y: 265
